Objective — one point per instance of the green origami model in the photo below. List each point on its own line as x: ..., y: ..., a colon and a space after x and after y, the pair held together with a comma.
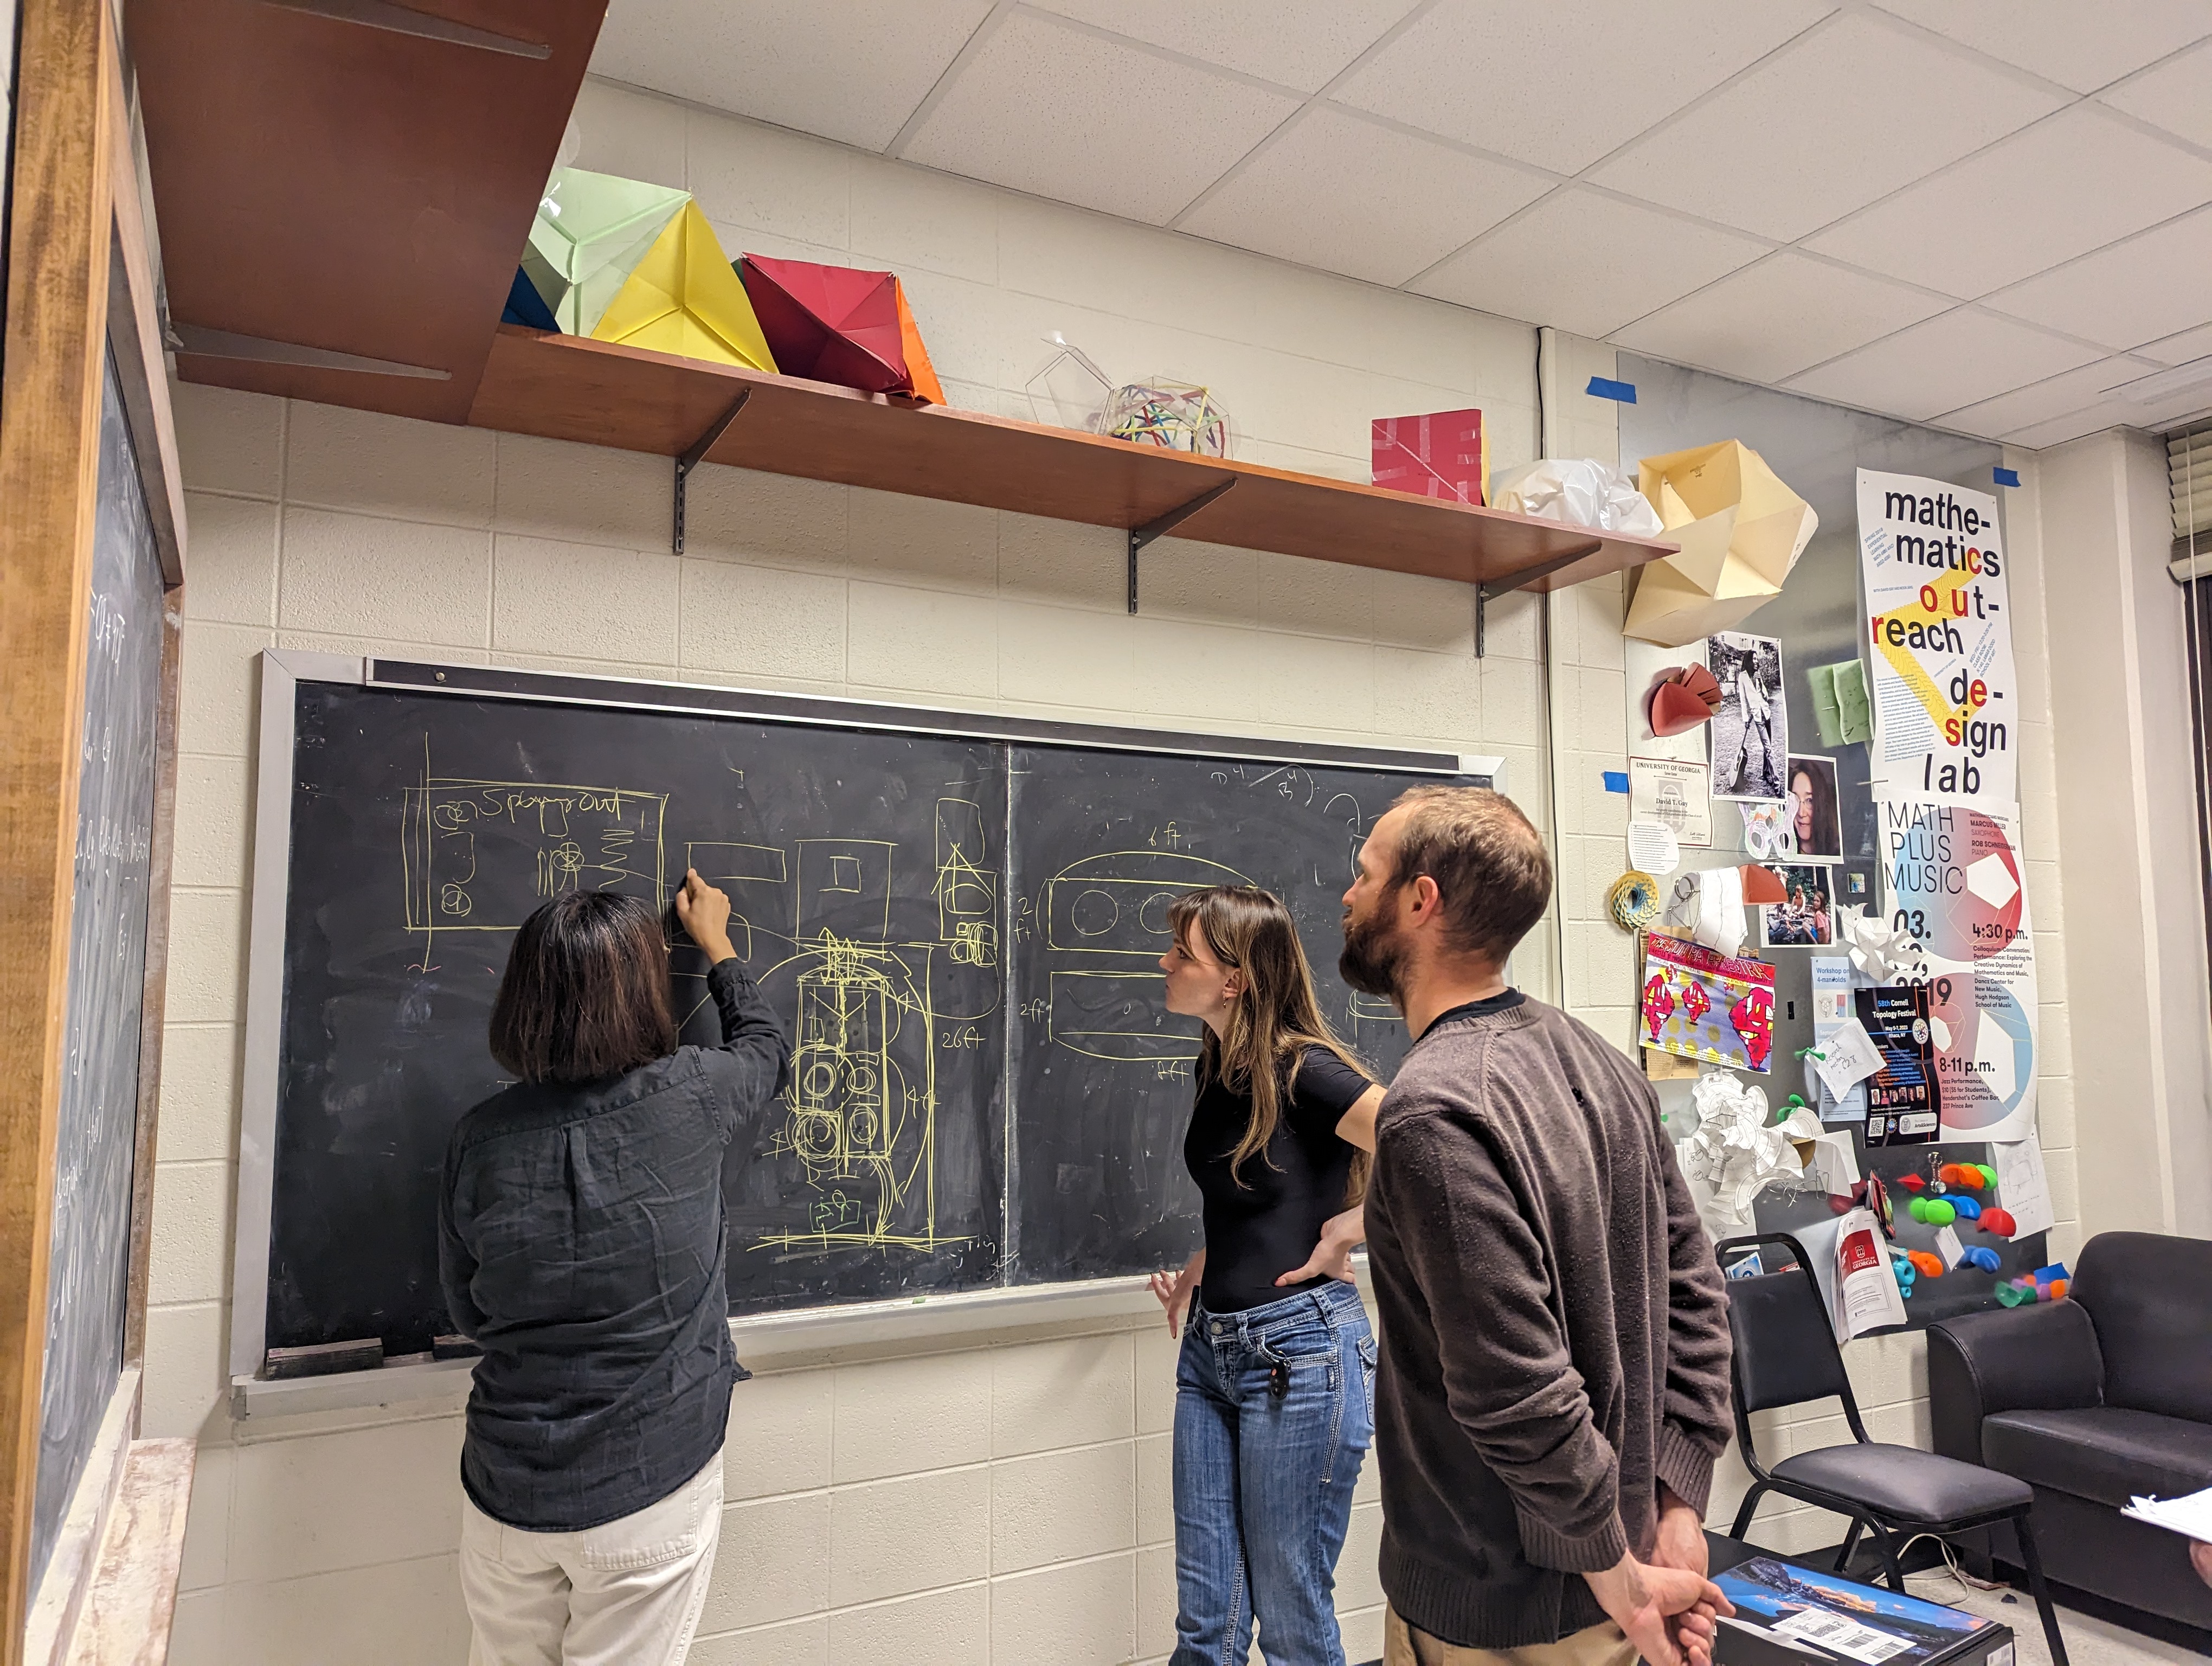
x: 591, y: 232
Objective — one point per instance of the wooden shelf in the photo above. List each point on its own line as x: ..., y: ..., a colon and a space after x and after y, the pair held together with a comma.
x: 367, y: 191
x: 567, y: 387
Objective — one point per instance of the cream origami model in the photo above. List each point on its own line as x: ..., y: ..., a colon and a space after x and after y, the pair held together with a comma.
x: 1740, y: 528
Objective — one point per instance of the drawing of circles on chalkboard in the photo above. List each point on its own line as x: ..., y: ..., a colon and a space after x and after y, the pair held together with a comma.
x: 818, y: 1081
x: 1093, y: 914
x: 1153, y: 916
x: 860, y: 1081
x: 452, y: 900
x: 815, y: 1135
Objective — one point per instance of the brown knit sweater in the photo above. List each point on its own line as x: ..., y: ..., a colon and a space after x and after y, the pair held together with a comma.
x: 1555, y: 1331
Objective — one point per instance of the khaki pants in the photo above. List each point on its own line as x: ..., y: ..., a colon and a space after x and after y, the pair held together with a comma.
x: 1602, y: 1644
x: 625, y: 1593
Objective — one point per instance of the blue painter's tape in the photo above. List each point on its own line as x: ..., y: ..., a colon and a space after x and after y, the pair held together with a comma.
x: 1616, y: 781
x: 1599, y: 388
x: 2005, y: 476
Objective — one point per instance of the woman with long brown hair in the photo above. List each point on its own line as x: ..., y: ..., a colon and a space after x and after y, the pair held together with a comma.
x: 583, y: 1245
x: 1275, y: 1386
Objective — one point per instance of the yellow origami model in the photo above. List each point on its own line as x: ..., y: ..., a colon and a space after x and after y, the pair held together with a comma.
x: 1740, y: 528
x: 684, y: 298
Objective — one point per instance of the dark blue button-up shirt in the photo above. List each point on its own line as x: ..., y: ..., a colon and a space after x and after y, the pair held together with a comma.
x: 582, y: 1244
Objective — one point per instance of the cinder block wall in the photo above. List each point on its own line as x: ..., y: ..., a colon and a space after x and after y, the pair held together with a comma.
x: 999, y: 1497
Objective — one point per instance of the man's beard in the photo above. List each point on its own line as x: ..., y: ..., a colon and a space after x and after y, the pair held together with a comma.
x: 1372, y: 957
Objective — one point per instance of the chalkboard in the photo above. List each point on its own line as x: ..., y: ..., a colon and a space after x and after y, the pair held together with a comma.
x: 96, y: 1124
x: 952, y: 1122
x: 1101, y: 1070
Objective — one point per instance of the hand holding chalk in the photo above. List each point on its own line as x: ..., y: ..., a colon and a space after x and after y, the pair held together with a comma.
x: 705, y: 913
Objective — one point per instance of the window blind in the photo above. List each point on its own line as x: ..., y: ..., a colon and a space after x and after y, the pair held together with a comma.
x: 2189, y: 478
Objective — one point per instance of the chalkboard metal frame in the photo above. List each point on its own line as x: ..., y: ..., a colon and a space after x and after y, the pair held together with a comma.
x: 282, y: 671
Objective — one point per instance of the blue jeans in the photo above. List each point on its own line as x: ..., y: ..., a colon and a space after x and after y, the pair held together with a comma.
x: 1263, y: 1480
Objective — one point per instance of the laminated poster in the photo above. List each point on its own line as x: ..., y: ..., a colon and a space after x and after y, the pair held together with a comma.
x: 1901, y: 1096
x: 1700, y: 1004
x: 1940, y: 621
x: 1954, y: 879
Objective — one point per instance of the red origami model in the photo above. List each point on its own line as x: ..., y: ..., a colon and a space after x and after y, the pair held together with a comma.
x: 1687, y: 696
x: 841, y: 325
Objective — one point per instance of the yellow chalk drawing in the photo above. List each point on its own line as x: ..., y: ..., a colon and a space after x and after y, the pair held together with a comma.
x: 480, y: 855
x: 1105, y: 922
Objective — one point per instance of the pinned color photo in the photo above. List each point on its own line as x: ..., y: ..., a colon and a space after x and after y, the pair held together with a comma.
x: 1815, y: 810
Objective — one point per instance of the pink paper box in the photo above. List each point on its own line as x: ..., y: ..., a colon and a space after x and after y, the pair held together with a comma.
x: 1443, y: 454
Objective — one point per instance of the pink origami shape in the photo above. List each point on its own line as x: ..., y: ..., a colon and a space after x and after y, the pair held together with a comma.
x: 841, y: 325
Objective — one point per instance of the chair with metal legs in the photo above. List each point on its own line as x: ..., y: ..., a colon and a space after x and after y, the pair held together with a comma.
x: 1786, y: 1355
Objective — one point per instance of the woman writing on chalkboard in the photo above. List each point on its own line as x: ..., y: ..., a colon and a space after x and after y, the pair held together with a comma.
x: 582, y: 1245
x: 1274, y: 1390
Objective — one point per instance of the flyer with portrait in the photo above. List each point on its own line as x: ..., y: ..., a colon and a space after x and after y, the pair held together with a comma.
x: 1954, y: 878
x: 1946, y: 699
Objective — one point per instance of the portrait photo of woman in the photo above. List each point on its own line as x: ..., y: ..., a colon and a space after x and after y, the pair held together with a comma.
x: 1813, y: 812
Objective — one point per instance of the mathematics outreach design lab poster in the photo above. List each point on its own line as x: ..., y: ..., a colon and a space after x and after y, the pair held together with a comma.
x: 1956, y: 882
x: 1945, y: 698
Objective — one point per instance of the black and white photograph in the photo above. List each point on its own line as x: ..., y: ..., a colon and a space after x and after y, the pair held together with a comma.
x: 1751, y: 731
x: 1805, y: 918
x: 1815, y: 815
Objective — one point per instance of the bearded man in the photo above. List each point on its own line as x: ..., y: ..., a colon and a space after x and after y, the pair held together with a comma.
x: 1554, y: 1384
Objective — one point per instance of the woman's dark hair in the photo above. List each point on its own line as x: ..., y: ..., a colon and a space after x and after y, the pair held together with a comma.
x: 1825, y: 830
x: 585, y: 991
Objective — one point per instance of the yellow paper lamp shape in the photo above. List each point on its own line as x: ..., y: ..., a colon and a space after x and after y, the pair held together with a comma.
x: 684, y: 298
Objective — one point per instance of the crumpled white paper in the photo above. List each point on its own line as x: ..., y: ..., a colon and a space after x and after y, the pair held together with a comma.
x: 1581, y: 491
x: 1733, y: 1153
x: 1709, y: 905
x: 1882, y: 951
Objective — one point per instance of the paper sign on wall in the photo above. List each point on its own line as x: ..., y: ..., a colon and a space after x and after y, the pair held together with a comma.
x: 1676, y: 795
x: 1946, y: 699
x: 1955, y: 881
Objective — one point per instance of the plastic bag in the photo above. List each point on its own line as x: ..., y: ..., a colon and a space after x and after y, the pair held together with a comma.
x: 1580, y: 491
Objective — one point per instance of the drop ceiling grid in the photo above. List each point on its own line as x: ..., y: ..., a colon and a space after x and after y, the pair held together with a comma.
x: 1971, y: 211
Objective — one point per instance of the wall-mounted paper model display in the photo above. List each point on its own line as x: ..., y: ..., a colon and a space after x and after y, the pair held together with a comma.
x: 1740, y: 528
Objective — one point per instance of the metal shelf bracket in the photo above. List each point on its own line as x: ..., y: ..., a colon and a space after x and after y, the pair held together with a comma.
x: 1140, y: 536
x: 1487, y: 593
x: 691, y: 458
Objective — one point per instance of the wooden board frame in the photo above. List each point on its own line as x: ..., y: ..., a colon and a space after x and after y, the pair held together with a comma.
x: 81, y: 282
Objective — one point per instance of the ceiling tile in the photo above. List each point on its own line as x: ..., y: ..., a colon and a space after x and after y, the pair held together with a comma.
x: 2070, y: 391
x: 1297, y: 45
x: 1348, y: 196
x: 1064, y: 113
x: 1773, y: 319
x: 854, y: 71
x: 2062, y: 188
x: 1762, y: 152
x: 2184, y: 348
x: 1956, y: 360
x: 2145, y: 288
x: 1562, y: 83
x: 2074, y: 44
x: 2177, y: 96
x: 1588, y: 262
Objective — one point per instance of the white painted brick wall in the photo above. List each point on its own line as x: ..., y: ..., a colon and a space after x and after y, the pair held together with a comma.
x: 1005, y: 1500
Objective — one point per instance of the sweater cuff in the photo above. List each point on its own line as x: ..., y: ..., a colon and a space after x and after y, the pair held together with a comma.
x: 1685, y: 1467
x: 1546, y: 1546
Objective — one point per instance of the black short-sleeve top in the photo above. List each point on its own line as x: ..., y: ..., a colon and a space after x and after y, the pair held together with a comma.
x: 1268, y: 1226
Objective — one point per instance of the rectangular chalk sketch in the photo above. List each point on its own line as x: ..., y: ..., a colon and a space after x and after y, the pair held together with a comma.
x: 757, y: 878
x: 482, y: 855
x: 845, y: 887
x: 1117, y: 902
x: 859, y: 1115
x: 967, y: 892
x: 1121, y: 1015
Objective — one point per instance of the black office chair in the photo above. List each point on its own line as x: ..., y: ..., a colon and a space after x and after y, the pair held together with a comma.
x: 1785, y: 1355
